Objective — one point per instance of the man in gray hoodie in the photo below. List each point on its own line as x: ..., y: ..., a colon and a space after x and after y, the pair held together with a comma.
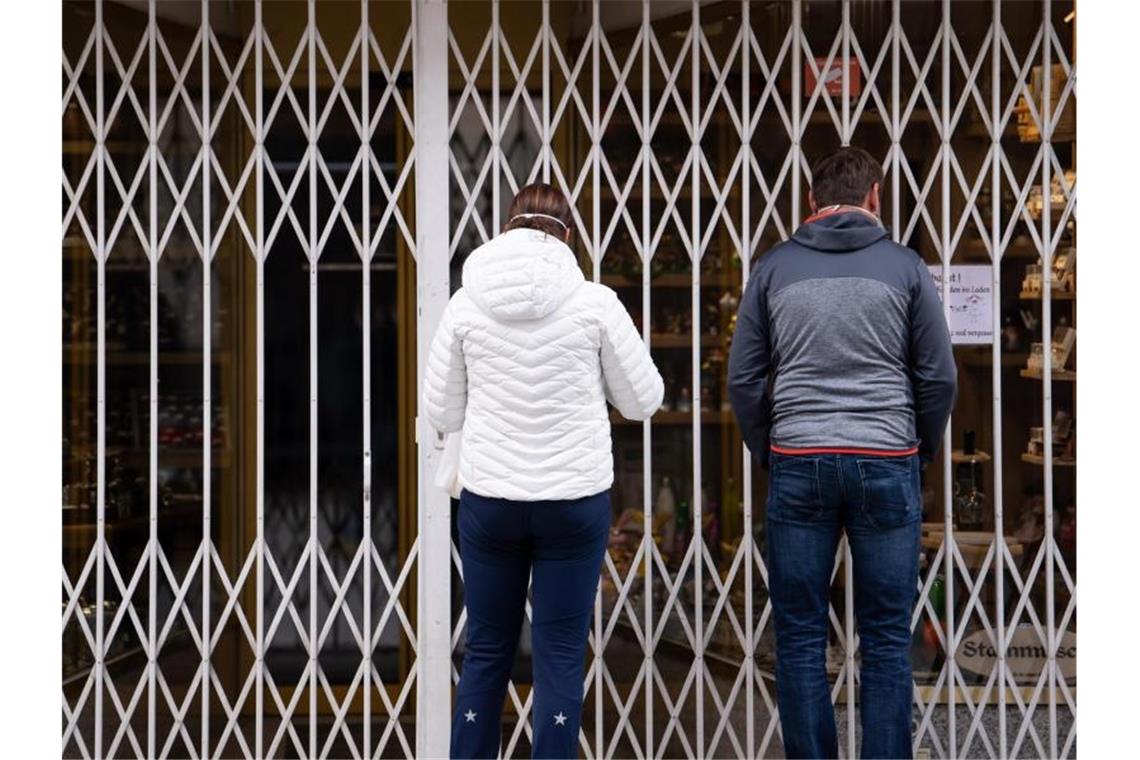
x: 842, y: 377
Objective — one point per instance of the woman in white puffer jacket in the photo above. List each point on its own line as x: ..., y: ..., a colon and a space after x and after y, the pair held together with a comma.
x: 525, y: 358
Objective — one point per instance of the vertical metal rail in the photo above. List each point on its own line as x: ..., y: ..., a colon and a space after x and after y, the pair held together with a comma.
x: 996, y: 257
x: 948, y: 533
x: 100, y: 380
x: 848, y: 560
x: 1047, y: 365
x: 433, y: 579
x: 797, y: 107
x: 746, y: 463
x: 647, y: 663
x: 207, y: 379
x: 598, y: 252
x: 546, y: 128
x: 595, y: 143
x: 366, y: 364
x: 259, y: 257
x: 311, y: 129
x: 696, y: 540
x: 152, y: 371
x: 496, y: 122
x: 896, y: 132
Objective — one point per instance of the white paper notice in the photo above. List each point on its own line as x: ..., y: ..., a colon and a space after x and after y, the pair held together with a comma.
x: 971, y: 302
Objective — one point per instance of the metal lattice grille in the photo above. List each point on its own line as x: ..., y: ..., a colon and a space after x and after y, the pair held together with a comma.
x: 225, y: 169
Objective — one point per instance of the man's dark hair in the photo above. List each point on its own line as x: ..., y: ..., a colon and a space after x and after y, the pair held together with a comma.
x: 844, y: 176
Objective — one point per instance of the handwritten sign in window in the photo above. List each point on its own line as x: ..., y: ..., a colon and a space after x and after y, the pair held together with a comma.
x: 971, y: 317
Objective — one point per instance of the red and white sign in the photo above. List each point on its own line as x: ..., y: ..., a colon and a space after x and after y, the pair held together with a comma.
x: 833, y: 77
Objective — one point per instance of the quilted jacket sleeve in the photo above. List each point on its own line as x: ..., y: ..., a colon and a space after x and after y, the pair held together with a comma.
x: 632, y: 381
x: 445, y: 377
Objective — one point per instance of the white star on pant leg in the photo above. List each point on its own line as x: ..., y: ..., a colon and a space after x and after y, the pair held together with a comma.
x: 560, y: 719
x: 470, y: 715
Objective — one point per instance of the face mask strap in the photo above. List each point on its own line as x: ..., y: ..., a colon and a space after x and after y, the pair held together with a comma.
x: 540, y: 216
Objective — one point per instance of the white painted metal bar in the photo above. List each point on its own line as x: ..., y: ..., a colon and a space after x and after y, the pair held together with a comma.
x: 312, y: 545
x: 433, y: 579
x: 947, y: 440
x: 896, y: 130
x: 259, y: 257
x: 152, y: 370
x: 596, y: 255
x: 849, y: 643
x: 100, y: 547
x: 366, y: 365
x: 797, y: 108
x: 547, y: 130
x: 1048, y: 244
x: 207, y: 382
x: 696, y: 541
x: 496, y: 120
x: 746, y: 535
x: 998, y: 423
x: 646, y: 253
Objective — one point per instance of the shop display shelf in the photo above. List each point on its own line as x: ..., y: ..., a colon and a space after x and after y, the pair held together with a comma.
x: 1066, y: 375
x: 672, y: 417
x: 983, y: 357
x: 685, y: 340
x: 1040, y: 460
x: 1058, y: 295
x: 680, y: 280
x: 83, y: 534
x: 85, y: 354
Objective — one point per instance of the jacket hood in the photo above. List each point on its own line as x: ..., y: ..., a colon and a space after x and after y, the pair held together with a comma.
x: 522, y: 274
x: 840, y: 232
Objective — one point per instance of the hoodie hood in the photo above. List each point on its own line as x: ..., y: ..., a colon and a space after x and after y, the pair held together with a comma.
x: 522, y: 274
x: 840, y: 232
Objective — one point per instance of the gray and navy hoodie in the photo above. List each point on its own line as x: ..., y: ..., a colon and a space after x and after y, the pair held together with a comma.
x: 841, y: 345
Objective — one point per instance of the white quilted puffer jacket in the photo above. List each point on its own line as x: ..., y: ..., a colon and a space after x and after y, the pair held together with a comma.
x: 526, y: 355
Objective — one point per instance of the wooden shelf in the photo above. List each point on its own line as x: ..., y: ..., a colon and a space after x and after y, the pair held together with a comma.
x: 982, y: 356
x: 73, y: 355
x: 671, y: 417
x: 685, y: 340
x: 78, y: 534
x: 680, y: 280
x: 957, y: 456
x: 1065, y: 375
x: 1063, y: 295
x: 1057, y: 462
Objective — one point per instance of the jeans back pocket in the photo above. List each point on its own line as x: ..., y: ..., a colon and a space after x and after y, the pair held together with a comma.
x: 794, y: 492
x: 890, y: 491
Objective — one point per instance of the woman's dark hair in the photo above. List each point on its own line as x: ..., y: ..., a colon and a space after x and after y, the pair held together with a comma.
x: 540, y: 198
x: 844, y: 176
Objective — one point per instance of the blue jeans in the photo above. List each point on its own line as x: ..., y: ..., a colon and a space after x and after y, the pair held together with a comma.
x: 502, y: 543
x: 877, y: 501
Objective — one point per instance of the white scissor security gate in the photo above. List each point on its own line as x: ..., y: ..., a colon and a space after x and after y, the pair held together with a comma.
x: 257, y: 252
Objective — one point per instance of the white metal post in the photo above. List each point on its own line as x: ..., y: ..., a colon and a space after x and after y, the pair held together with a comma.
x: 998, y: 456
x: 207, y: 380
x: 848, y: 562
x: 746, y: 538
x: 947, y: 474
x: 314, y: 256
x: 366, y: 364
x: 1047, y: 244
x: 152, y: 368
x: 797, y: 107
x: 259, y: 258
x: 646, y: 254
x: 696, y: 540
x: 433, y: 581
x: 100, y: 380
